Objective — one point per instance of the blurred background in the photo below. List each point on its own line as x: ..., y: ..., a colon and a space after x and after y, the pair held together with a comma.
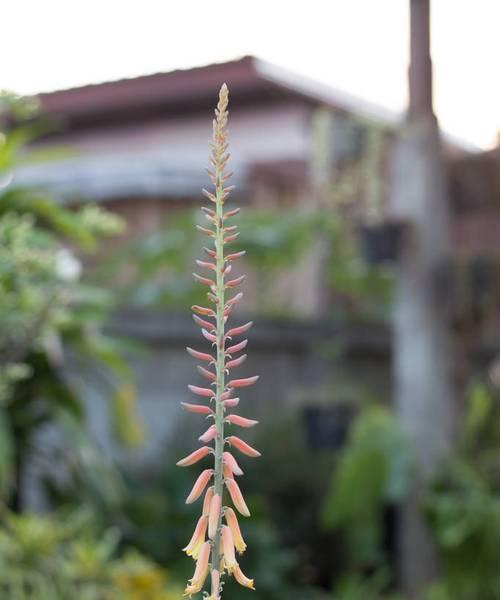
x: 370, y: 195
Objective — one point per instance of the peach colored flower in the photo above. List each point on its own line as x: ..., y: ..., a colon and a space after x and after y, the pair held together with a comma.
x: 232, y: 522
x: 206, y: 502
x: 198, y: 538
x: 195, y: 456
x: 215, y: 585
x: 241, y: 421
x: 227, y: 546
x: 214, y: 514
x: 230, y: 461
x: 196, y: 583
x: 237, y: 497
x: 199, y: 485
x: 197, y: 408
x: 242, y: 579
x: 245, y: 382
x: 209, y: 434
x: 242, y: 446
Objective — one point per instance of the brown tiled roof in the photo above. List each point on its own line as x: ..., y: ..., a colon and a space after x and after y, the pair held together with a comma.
x: 250, y: 79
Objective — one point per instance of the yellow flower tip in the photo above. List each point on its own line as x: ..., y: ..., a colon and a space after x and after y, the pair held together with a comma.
x: 227, y: 547
x: 242, y: 579
x: 232, y: 521
x: 198, y: 538
x: 196, y: 583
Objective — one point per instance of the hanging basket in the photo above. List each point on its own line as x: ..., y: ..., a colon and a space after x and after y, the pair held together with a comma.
x: 381, y: 242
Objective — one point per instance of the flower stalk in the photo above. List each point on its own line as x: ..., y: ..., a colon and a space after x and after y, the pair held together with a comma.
x: 223, y: 539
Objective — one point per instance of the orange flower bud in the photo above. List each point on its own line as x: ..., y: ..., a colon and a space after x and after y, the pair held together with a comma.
x: 214, y: 514
x: 240, y: 329
x: 236, y: 362
x: 242, y: 579
x: 195, y: 456
x: 200, y: 355
x: 232, y: 522
x: 198, y: 539
x: 236, y: 383
x: 199, y: 485
x: 209, y: 434
x: 196, y: 408
x: 200, y: 391
x: 227, y: 547
x: 242, y: 446
x: 231, y: 402
x: 237, y: 347
x: 201, y: 571
x: 230, y: 461
x: 241, y: 421
x: 215, y: 585
x: 237, y: 497
x: 206, y: 502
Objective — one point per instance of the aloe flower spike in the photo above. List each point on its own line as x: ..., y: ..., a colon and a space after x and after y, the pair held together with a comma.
x: 217, y: 554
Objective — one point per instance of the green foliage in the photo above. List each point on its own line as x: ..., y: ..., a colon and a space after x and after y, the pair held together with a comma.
x: 356, y: 587
x: 463, y: 505
x: 274, y: 238
x: 48, y: 312
x: 158, y: 266
x: 372, y: 472
x: 62, y: 557
x: 359, y: 291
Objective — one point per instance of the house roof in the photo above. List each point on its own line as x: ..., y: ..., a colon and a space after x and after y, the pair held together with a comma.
x: 250, y: 79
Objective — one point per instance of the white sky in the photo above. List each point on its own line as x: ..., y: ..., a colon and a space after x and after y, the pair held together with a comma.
x: 356, y: 45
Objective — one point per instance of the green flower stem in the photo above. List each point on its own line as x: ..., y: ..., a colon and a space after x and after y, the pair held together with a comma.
x: 220, y: 381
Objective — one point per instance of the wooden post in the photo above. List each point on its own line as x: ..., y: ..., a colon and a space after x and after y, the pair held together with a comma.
x: 422, y: 345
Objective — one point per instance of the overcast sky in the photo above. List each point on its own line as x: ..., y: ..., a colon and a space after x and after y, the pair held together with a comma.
x: 356, y: 45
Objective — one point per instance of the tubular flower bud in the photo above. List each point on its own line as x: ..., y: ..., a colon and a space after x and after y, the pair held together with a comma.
x: 200, y: 391
x: 200, y: 355
x: 235, y: 255
x: 199, y: 485
x: 231, y: 402
x: 230, y: 461
x: 196, y: 408
x: 242, y: 446
x: 237, y: 383
x: 226, y: 471
x: 215, y: 585
x: 234, y: 282
x: 209, y: 434
x: 202, y: 323
x: 235, y: 299
x: 194, y: 457
x: 232, y: 522
x: 227, y: 546
x: 243, y: 579
x: 198, y: 538
x: 209, y: 494
x: 206, y: 373
x: 200, y: 573
x: 214, y: 515
x: 239, y: 330
x: 241, y: 421
x: 209, y: 336
x: 236, y: 362
x: 237, y: 497
x: 218, y: 552
x: 201, y: 310
x: 237, y: 347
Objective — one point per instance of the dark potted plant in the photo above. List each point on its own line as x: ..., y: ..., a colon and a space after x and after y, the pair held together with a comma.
x: 380, y: 238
